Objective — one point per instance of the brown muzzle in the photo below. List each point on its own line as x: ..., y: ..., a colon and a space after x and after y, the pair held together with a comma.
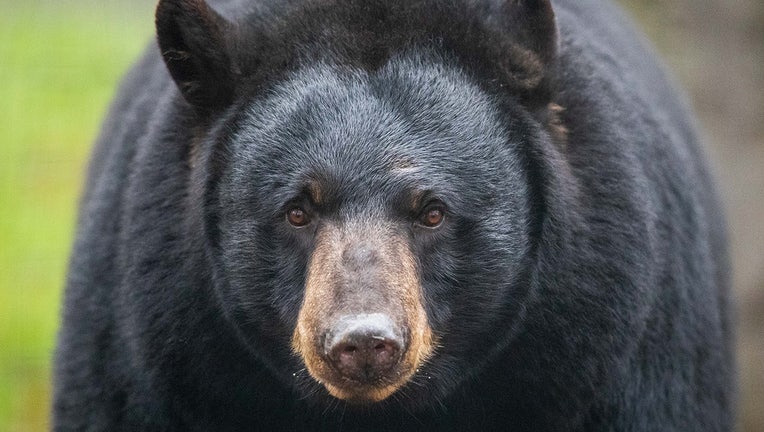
x: 362, y: 330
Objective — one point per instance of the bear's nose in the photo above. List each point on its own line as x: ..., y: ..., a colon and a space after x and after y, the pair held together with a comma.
x: 364, y: 347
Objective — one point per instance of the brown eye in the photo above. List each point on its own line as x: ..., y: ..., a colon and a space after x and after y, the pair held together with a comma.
x: 432, y: 217
x: 298, y: 217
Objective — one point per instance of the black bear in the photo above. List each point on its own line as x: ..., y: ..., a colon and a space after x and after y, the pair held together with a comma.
x: 397, y: 215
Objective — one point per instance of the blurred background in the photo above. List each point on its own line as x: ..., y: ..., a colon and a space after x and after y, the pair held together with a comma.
x: 60, y: 61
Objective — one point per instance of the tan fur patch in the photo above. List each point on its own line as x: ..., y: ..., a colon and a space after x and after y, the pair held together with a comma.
x: 402, y: 164
x: 556, y: 126
x: 361, y: 268
x: 316, y: 193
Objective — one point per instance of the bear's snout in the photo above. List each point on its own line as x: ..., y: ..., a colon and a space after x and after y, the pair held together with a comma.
x: 362, y: 330
x: 365, y: 347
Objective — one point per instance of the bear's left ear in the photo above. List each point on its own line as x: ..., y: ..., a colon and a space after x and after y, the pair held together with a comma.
x: 532, y: 47
x: 533, y: 23
x: 526, y: 58
x: 192, y: 39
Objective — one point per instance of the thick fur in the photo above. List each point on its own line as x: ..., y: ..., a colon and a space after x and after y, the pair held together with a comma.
x: 579, y: 282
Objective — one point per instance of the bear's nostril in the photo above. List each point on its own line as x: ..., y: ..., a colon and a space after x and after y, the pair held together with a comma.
x: 364, y: 349
x: 366, y: 359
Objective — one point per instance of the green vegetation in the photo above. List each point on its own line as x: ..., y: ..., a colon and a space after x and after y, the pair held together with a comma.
x: 59, y: 65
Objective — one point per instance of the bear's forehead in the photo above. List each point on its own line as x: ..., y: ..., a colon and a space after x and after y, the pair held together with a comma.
x: 409, y: 109
x: 413, y: 126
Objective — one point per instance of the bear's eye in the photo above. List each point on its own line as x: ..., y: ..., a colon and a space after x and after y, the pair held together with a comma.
x: 297, y: 217
x: 432, y: 216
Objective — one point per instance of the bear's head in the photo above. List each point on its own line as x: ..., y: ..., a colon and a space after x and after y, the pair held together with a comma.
x: 366, y: 182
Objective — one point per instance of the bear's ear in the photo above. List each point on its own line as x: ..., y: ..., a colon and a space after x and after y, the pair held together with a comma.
x: 192, y: 39
x: 533, y: 23
x: 533, y: 43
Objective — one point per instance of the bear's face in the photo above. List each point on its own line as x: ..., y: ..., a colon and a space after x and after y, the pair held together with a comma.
x: 370, y: 227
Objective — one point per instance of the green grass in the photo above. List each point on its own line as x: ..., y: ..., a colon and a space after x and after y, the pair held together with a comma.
x: 60, y: 62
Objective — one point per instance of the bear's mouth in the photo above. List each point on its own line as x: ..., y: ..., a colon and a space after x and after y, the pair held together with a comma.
x: 360, y: 393
x: 364, y: 359
x: 365, y: 354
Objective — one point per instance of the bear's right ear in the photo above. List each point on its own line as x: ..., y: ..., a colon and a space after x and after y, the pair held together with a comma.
x: 192, y: 40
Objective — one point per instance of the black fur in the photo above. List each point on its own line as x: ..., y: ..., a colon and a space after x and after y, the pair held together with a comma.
x: 579, y: 283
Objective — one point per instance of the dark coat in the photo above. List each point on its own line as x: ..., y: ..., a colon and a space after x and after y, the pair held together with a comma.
x: 579, y: 281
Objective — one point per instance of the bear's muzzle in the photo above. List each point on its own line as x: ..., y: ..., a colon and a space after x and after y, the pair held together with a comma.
x: 362, y: 330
